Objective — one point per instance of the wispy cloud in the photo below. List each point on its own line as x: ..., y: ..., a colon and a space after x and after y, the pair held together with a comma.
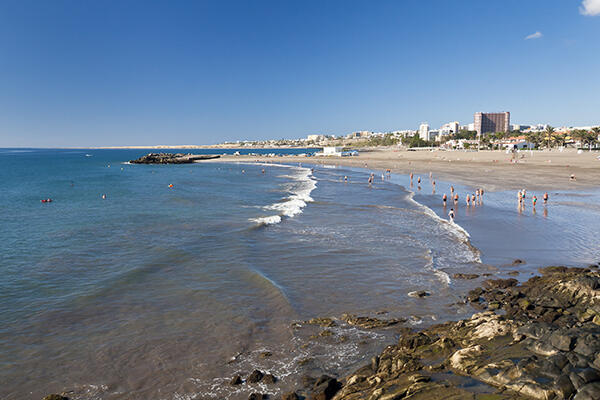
x: 536, y: 35
x: 590, y: 7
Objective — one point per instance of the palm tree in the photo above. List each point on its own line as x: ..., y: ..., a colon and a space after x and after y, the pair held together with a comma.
x: 560, y: 138
x: 549, y: 132
x: 581, y: 135
x: 535, y: 138
x: 596, y: 131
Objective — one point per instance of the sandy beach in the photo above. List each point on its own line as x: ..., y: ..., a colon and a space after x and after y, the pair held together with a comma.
x: 492, y: 170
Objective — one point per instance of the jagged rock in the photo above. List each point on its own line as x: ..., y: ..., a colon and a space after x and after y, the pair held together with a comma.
x: 290, y: 396
x: 463, y: 359
x: 589, y: 375
x: 561, y: 341
x: 257, y: 396
x: 255, y: 376
x: 465, y: 276
x: 591, y: 391
x: 542, y: 345
x: 474, y: 295
x: 269, y: 379
x: 324, y: 322
x: 369, y: 322
x: 236, y: 380
x: 55, y: 397
x: 325, y: 388
x: 500, y: 283
x: 419, y: 293
x: 415, y: 340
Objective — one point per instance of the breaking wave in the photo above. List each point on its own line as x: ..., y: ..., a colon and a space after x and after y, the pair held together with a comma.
x: 299, y: 191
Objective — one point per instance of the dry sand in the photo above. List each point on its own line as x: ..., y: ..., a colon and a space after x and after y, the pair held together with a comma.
x: 492, y: 170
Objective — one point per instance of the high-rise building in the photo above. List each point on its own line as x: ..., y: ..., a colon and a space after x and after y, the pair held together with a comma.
x: 492, y: 122
x: 424, y: 131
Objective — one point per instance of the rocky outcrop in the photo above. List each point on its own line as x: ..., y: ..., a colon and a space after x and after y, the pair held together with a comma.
x: 537, y: 340
x: 171, y: 158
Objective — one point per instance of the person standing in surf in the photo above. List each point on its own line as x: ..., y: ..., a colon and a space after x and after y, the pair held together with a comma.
x: 451, y: 215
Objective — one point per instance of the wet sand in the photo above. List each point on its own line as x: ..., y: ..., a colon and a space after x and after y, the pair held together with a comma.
x: 492, y: 170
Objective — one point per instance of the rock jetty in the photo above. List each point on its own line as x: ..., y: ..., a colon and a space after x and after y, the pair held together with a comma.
x: 535, y: 340
x: 172, y: 158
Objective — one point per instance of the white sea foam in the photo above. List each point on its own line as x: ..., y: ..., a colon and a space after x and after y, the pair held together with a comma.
x: 273, y: 219
x: 299, y: 195
x: 458, y: 231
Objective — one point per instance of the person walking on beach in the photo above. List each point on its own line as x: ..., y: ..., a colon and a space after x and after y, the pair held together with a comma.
x: 451, y: 215
x: 444, y: 198
x: 546, y: 198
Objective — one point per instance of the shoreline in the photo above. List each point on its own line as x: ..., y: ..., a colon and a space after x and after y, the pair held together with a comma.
x: 491, y: 170
x: 409, y: 379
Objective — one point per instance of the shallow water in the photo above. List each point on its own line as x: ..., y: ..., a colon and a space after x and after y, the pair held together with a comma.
x: 161, y: 292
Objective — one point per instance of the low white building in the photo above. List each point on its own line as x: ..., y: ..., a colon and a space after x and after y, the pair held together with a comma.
x: 332, y: 151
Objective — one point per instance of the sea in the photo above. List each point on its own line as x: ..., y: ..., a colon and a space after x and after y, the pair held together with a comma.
x: 165, y: 281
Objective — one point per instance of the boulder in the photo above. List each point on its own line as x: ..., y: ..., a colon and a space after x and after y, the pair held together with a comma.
x: 255, y: 377
x: 257, y: 396
x: 269, y: 379
x: 325, y: 388
x: 465, y: 276
x: 591, y: 391
x: 290, y: 396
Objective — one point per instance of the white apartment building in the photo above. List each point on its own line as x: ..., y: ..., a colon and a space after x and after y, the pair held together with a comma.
x: 424, y: 131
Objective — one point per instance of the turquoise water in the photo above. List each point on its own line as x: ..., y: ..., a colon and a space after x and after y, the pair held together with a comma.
x: 159, y: 292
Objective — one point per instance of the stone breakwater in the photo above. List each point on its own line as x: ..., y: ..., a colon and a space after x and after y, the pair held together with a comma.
x: 172, y: 158
x: 535, y: 340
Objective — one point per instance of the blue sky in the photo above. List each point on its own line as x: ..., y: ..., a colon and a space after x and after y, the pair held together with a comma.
x: 89, y: 73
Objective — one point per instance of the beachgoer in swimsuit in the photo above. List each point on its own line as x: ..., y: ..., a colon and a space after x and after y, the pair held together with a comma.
x: 451, y: 215
x: 546, y: 198
x: 444, y: 198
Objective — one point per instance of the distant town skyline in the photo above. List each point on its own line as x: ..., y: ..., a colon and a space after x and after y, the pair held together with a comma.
x: 135, y: 73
